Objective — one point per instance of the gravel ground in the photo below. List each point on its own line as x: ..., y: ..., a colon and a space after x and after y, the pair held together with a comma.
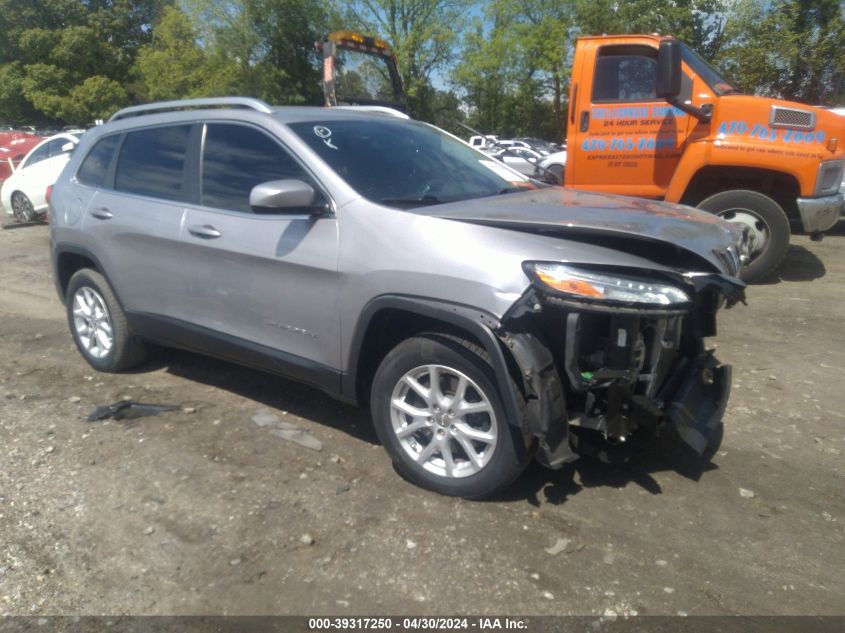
x: 203, y: 511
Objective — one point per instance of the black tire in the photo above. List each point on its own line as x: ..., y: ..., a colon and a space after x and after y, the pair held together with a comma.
x: 126, y: 350
x: 772, y: 217
x: 558, y: 171
x: 509, y: 456
x: 22, y: 207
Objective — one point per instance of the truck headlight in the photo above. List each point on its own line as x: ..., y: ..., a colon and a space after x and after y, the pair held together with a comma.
x: 587, y: 285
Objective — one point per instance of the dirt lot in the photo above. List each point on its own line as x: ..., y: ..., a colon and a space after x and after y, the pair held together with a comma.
x: 201, y: 511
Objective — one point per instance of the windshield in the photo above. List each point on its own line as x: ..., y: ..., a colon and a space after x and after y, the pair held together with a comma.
x: 405, y: 163
x: 710, y: 75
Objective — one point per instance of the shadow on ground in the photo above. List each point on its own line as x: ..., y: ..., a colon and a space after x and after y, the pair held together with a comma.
x: 540, y: 485
x: 800, y: 264
x: 272, y: 391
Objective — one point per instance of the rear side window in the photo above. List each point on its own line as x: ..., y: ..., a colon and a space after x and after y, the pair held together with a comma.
x: 42, y: 153
x: 95, y: 167
x: 152, y: 162
x: 236, y: 158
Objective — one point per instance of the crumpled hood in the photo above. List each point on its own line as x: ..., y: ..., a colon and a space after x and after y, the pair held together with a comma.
x: 569, y: 213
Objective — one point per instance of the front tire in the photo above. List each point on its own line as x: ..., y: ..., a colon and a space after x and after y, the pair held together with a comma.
x: 766, y: 223
x: 98, y: 324
x: 438, y: 414
x: 22, y: 207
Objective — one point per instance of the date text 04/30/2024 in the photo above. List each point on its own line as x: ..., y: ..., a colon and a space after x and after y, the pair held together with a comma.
x: 417, y: 623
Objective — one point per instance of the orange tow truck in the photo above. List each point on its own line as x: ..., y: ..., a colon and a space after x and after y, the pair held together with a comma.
x: 648, y: 117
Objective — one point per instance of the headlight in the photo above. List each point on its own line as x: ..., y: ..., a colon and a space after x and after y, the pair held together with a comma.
x: 593, y: 286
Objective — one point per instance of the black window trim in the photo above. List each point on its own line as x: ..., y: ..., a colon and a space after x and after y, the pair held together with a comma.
x: 200, y: 149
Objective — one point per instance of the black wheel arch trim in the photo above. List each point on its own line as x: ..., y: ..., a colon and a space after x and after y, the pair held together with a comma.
x: 62, y: 248
x: 478, y: 323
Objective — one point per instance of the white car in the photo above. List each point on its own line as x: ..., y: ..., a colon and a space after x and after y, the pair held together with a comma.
x: 555, y: 163
x: 23, y: 194
x: 521, y: 159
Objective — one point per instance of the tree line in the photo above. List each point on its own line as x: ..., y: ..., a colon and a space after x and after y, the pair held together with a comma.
x: 502, y: 65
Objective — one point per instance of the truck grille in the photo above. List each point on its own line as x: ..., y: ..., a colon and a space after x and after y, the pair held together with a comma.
x: 792, y: 118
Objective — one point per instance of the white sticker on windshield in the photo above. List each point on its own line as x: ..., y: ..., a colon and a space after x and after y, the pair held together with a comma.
x: 326, y: 134
x: 501, y: 170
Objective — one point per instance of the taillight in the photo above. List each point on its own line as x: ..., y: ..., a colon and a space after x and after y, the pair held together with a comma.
x: 47, y: 196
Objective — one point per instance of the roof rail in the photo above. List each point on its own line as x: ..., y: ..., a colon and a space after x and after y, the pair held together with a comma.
x: 162, y: 106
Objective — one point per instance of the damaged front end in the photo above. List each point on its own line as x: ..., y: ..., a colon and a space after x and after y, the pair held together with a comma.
x: 616, y: 352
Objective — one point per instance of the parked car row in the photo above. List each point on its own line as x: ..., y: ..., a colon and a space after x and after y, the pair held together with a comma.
x: 485, y: 319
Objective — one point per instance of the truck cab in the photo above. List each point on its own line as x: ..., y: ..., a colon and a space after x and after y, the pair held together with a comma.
x: 649, y: 117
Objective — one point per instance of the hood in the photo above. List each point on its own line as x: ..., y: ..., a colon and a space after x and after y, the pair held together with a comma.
x: 669, y: 234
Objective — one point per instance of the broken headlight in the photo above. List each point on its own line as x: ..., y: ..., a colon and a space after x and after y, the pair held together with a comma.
x: 587, y: 285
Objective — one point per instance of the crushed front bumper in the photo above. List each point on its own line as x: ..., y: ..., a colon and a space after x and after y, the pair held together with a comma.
x: 697, y: 406
x: 820, y: 214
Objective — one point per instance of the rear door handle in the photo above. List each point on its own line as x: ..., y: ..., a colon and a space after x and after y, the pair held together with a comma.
x: 585, y: 120
x: 102, y: 213
x: 205, y: 231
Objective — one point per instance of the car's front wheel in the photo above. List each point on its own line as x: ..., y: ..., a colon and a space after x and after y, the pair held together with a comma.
x: 98, y: 324
x: 22, y: 207
x: 439, y: 415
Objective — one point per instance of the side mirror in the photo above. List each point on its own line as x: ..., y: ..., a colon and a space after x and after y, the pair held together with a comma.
x: 281, y: 196
x: 668, y: 79
x: 67, y: 148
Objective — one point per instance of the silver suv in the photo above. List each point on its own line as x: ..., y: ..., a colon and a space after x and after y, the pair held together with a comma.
x: 484, y: 318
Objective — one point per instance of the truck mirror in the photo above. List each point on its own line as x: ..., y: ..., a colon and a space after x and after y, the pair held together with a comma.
x: 668, y: 80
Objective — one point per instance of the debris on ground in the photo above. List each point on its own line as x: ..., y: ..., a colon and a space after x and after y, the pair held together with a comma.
x: 558, y: 547
x: 265, y: 418
x: 298, y: 436
x: 128, y: 410
x: 746, y: 494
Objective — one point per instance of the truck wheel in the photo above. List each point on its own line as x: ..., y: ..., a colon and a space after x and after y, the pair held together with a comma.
x: 98, y: 324
x: 439, y: 415
x: 767, y: 225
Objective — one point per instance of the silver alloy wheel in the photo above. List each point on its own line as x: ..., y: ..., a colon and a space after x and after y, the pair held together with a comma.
x: 444, y: 421
x: 92, y: 322
x: 22, y: 207
x: 756, y: 229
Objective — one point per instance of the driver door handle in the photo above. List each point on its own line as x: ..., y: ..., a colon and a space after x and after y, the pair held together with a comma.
x: 205, y: 231
x: 585, y: 120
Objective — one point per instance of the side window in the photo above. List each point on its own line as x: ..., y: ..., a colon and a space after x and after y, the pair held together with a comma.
x: 55, y: 147
x: 152, y: 161
x: 37, y: 156
x: 95, y: 167
x: 237, y: 158
x: 627, y: 73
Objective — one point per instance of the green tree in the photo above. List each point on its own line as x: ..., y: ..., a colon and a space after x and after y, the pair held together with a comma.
x: 793, y: 49
x: 269, y: 42
x: 423, y: 34
x: 174, y: 66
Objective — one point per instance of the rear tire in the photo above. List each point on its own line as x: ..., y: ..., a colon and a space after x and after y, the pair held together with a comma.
x: 98, y: 324
x: 767, y: 224
x: 22, y: 208
x: 432, y: 443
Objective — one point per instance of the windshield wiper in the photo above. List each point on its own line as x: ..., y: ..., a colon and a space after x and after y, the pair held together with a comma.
x: 423, y: 201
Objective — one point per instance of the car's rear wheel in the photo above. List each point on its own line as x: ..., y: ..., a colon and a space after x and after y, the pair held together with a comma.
x: 764, y: 222
x: 440, y: 417
x: 98, y: 324
x: 22, y: 207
